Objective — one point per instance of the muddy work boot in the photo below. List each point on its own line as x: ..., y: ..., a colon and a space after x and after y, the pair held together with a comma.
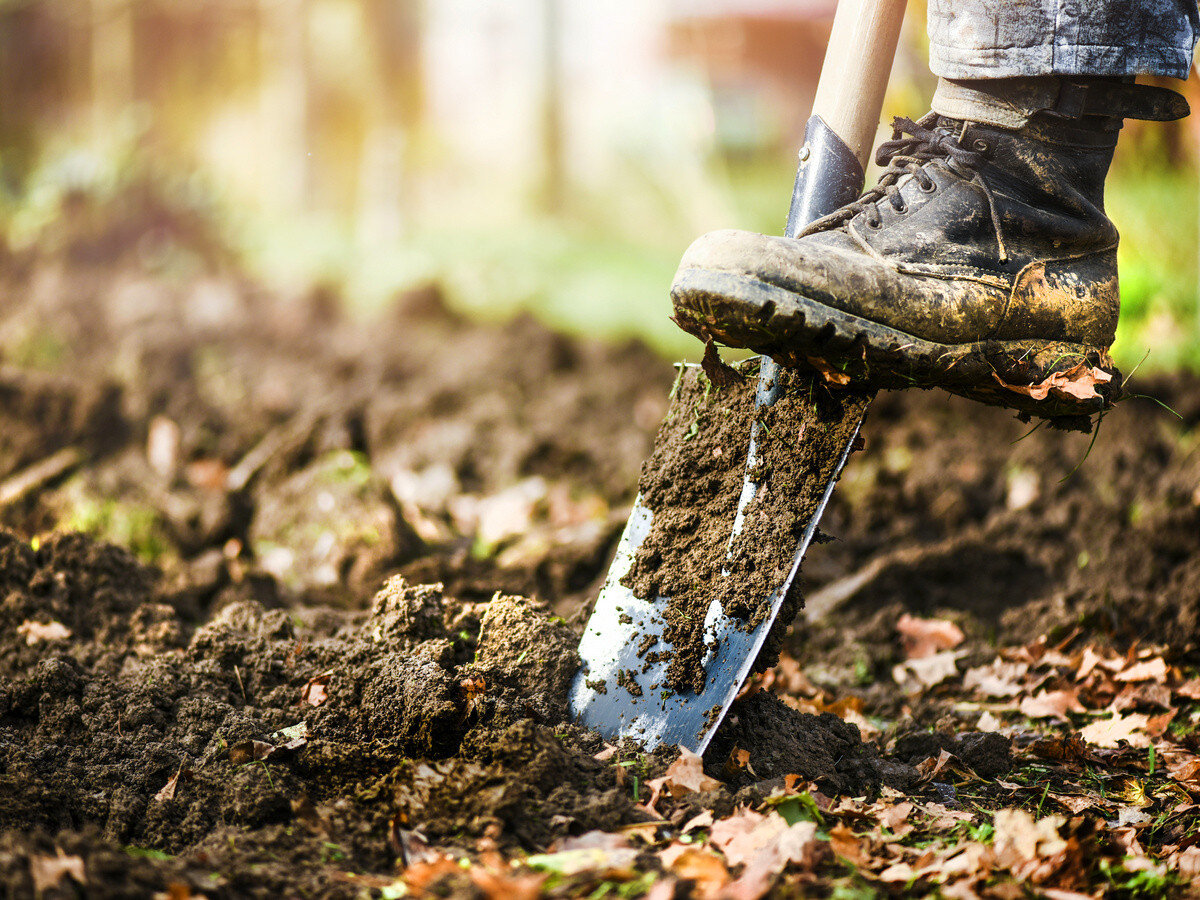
x: 982, y: 261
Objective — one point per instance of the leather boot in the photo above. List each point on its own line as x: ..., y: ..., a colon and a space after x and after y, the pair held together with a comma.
x: 981, y: 262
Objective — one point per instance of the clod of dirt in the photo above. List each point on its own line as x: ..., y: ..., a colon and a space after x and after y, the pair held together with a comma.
x: 781, y: 741
x: 404, y: 613
x: 416, y: 702
x: 526, y: 785
x: 530, y: 652
x: 692, y: 482
x: 988, y: 754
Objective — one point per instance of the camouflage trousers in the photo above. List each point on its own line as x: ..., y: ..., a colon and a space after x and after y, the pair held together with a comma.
x: 1011, y: 38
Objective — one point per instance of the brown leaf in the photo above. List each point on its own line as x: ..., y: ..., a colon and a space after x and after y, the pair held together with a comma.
x: 167, y: 791
x: 422, y: 874
x: 1000, y: 679
x: 1189, y: 689
x: 718, y: 371
x: 830, y: 374
x: 927, y: 671
x: 796, y: 844
x: 1150, y: 670
x: 314, y: 691
x: 1186, y: 862
x: 1078, y: 382
x: 1067, y: 748
x: 1031, y: 849
x: 925, y: 637
x: 48, y: 871
x: 895, y: 818
x: 250, y: 751
x: 684, y: 776
x: 499, y: 884
x: 741, y: 836
x: 705, y: 869
x: 1110, y: 732
x: 1074, y: 804
x: 36, y: 632
x: 1185, y: 769
x: 931, y: 768
x: 1051, y: 705
x: 847, y: 845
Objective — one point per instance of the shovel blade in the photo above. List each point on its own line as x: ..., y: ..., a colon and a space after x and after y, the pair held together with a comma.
x: 621, y: 691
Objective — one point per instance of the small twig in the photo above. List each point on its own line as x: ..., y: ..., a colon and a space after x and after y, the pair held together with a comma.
x: 29, y: 479
x: 242, y: 687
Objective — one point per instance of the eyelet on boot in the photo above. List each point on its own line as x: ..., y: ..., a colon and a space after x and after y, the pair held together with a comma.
x: 921, y: 186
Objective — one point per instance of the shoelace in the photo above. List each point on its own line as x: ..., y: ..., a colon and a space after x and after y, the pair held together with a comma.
x: 908, y: 156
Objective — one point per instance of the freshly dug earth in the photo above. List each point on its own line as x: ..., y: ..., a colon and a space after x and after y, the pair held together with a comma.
x: 692, y: 482
x: 343, y: 616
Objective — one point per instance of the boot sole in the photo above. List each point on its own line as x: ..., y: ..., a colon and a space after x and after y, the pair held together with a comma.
x: 742, y: 311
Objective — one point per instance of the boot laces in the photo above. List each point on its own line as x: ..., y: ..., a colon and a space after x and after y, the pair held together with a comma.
x: 913, y: 146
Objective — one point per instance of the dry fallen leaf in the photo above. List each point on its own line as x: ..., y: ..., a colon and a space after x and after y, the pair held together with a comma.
x: 167, y: 791
x: 314, y: 692
x: 702, y: 819
x: 830, y: 374
x: 684, y: 776
x: 1078, y: 382
x: 48, y: 871
x: 797, y: 845
x: 1189, y: 689
x: 1051, y: 705
x: 1110, y: 732
x: 925, y: 637
x: 1000, y: 679
x: 1032, y: 849
x: 498, y: 884
x: 927, y: 671
x: 1065, y: 748
x: 36, y: 632
x: 1150, y: 670
x: 250, y: 751
x: 702, y: 867
x: 847, y: 845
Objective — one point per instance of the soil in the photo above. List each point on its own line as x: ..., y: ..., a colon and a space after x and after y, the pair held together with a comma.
x: 325, y: 609
x: 691, y: 482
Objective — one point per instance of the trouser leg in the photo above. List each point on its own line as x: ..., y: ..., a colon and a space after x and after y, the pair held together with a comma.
x: 978, y: 39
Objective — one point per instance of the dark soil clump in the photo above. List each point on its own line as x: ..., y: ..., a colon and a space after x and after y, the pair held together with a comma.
x: 822, y: 749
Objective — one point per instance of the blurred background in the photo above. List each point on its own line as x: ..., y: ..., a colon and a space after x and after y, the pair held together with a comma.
x: 549, y: 155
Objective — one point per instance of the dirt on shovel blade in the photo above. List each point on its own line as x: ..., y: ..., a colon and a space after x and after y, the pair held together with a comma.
x: 692, y: 482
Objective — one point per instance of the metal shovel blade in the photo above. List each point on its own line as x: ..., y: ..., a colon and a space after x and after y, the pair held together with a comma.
x: 620, y: 690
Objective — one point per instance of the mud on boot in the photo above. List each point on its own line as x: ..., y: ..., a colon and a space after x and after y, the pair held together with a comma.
x: 982, y: 261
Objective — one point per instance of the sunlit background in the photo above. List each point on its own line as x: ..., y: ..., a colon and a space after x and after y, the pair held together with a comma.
x: 552, y: 155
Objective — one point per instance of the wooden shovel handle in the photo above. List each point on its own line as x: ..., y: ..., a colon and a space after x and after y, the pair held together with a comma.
x: 855, y: 74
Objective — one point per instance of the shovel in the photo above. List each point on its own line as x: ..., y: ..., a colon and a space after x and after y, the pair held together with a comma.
x: 624, y: 688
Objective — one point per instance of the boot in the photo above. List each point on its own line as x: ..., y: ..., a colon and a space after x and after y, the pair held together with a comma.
x: 981, y: 262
